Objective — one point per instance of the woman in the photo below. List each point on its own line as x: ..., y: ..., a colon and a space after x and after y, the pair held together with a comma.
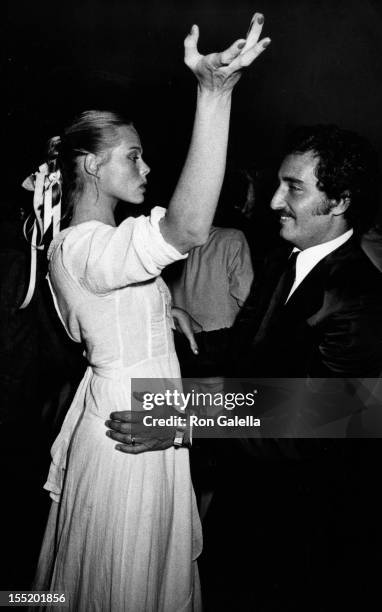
x: 123, y: 532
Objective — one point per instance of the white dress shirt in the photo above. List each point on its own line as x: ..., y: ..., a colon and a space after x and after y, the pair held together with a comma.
x: 307, y: 259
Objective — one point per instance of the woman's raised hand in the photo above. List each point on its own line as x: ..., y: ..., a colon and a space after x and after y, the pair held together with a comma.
x: 219, y: 72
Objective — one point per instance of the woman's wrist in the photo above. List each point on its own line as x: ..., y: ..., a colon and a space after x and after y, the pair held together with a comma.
x: 211, y: 96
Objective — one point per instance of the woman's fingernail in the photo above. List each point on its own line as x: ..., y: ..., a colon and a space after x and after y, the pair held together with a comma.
x: 241, y: 45
x: 260, y: 19
x: 108, y: 433
x: 266, y: 43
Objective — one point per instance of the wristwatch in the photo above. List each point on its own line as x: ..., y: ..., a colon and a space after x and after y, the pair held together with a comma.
x: 179, y: 438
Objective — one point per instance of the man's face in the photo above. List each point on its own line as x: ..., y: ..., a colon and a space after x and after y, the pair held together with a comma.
x: 304, y: 210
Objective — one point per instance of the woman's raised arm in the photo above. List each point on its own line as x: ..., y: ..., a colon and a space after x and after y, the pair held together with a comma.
x: 193, y: 203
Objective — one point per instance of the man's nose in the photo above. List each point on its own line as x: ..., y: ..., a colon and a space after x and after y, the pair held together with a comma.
x: 277, y: 201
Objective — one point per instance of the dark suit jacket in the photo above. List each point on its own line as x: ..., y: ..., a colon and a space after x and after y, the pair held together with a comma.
x: 330, y: 326
x: 313, y: 498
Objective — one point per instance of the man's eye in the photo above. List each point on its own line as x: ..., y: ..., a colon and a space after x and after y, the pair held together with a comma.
x: 294, y: 188
x: 133, y: 158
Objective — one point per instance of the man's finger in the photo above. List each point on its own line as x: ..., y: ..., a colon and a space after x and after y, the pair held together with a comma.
x: 151, y: 445
x: 191, y: 53
x: 136, y: 449
x: 121, y: 415
x: 125, y: 438
x: 133, y: 417
x: 130, y: 449
x: 123, y: 428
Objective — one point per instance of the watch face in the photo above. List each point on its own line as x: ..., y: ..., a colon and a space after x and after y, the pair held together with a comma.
x: 179, y: 436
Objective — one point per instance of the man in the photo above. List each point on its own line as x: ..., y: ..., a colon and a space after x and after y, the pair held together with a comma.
x: 304, y: 509
x: 330, y: 323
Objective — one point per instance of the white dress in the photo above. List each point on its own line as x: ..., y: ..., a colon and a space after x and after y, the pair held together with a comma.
x: 124, y: 532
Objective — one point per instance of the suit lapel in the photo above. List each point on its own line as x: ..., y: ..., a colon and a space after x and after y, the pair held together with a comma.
x: 257, y: 304
x: 308, y: 297
x: 309, y: 294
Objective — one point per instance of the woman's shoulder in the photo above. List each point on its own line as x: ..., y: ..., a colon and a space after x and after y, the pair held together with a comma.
x: 84, y: 232
x: 71, y: 234
x: 96, y: 242
x: 104, y: 257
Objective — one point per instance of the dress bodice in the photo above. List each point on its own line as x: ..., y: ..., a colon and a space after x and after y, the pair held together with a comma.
x: 108, y: 291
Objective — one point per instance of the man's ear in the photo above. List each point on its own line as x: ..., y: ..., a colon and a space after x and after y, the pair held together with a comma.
x: 91, y: 164
x: 339, y: 207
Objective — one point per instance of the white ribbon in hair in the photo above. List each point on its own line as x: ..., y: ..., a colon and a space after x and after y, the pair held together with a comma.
x: 46, y: 214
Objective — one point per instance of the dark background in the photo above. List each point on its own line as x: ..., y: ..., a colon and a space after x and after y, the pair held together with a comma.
x: 324, y: 65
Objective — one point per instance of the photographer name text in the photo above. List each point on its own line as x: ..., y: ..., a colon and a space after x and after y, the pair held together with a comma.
x: 197, y: 421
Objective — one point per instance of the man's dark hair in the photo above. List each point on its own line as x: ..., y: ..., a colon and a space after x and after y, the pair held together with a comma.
x: 347, y: 167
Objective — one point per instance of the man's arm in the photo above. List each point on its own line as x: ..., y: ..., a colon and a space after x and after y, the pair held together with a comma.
x: 350, y: 341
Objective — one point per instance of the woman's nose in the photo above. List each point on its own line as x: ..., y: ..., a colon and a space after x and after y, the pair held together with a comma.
x: 144, y: 169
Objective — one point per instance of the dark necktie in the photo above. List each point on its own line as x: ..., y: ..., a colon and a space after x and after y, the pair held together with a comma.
x: 279, y: 296
x: 287, y: 279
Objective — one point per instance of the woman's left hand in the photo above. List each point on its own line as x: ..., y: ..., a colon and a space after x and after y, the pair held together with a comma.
x: 219, y: 72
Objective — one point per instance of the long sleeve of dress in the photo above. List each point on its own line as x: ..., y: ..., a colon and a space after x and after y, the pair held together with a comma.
x: 105, y: 258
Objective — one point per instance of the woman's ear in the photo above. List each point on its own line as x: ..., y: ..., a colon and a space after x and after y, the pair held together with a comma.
x: 91, y: 164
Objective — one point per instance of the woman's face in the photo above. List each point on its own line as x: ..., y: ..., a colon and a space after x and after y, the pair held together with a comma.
x: 124, y: 174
